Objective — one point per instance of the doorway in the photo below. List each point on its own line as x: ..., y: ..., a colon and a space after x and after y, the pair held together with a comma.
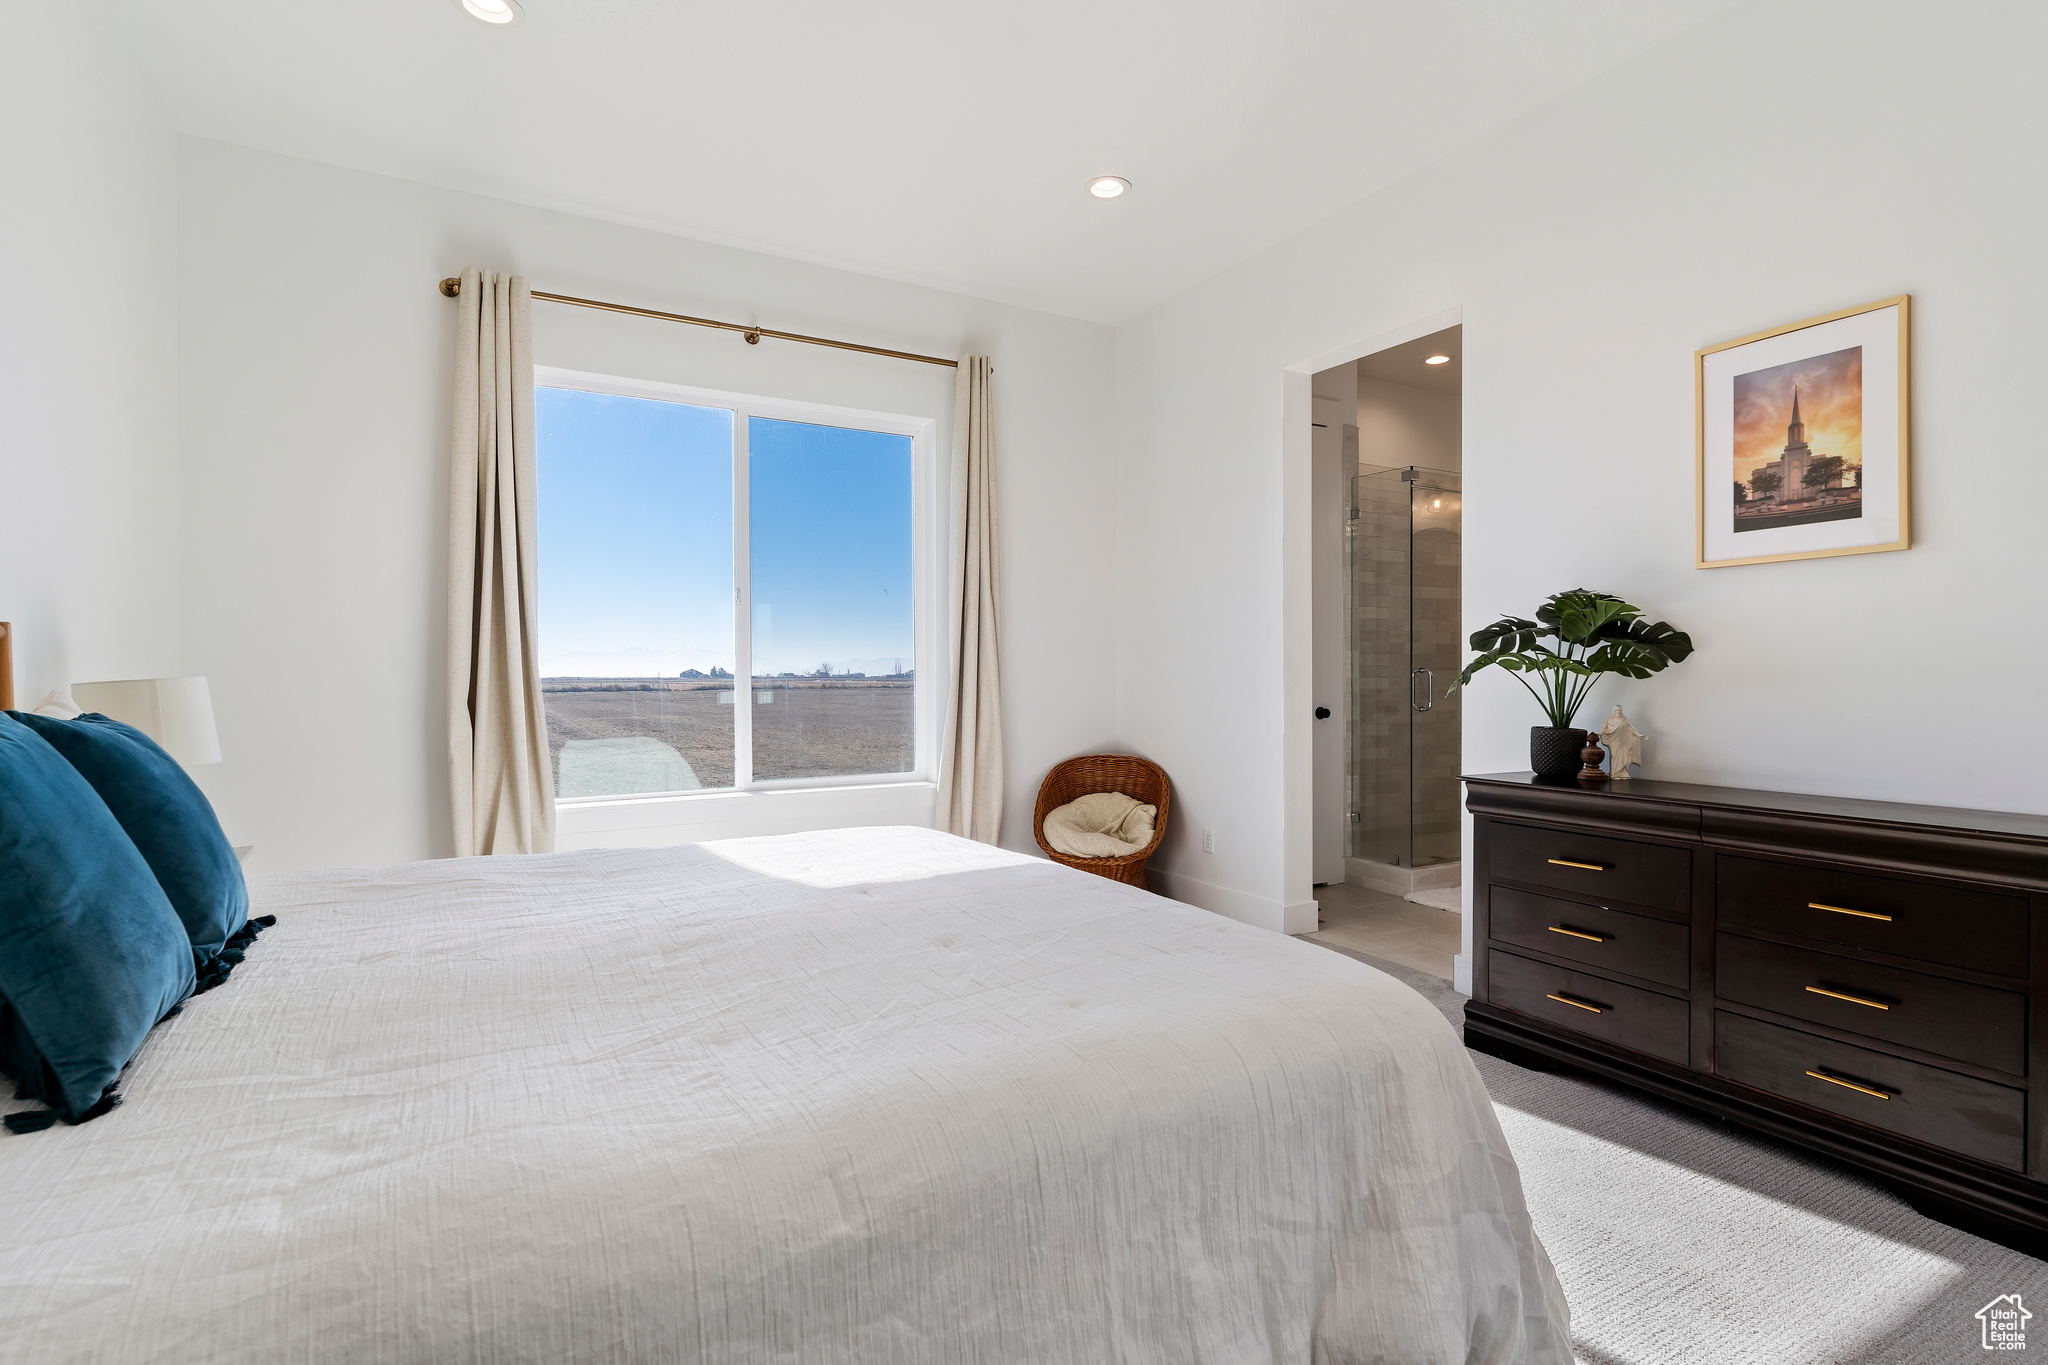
x: 1387, y: 612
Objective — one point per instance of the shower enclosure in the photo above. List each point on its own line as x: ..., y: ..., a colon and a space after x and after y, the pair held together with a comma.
x: 1403, y: 542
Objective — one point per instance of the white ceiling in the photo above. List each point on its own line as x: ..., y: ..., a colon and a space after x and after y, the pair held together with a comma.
x: 1408, y: 363
x: 948, y: 144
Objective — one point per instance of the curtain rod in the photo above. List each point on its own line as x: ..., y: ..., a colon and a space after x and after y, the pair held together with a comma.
x: 452, y: 287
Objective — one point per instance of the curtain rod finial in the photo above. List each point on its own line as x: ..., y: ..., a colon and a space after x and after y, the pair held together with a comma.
x: 452, y: 286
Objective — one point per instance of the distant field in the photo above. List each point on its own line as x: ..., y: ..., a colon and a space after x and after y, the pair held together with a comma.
x: 812, y: 728
x: 686, y: 716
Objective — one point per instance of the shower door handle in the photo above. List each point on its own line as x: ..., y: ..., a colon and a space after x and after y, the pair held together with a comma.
x: 1428, y: 675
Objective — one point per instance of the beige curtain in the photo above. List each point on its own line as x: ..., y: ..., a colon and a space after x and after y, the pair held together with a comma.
x: 971, y: 754
x: 504, y: 795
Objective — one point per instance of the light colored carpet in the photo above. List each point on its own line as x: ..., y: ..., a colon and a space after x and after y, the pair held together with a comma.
x: 1684, y: 1240
x: 1451, y: 898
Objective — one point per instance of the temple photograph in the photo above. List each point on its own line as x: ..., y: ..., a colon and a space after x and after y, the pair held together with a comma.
x: 1799, y: 442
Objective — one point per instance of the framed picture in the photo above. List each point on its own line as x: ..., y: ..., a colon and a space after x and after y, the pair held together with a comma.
x: 1803, y: 439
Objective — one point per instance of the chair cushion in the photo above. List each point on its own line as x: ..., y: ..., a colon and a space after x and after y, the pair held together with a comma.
x: 91, y: 953
x: 1100, y: 825
x: 166, y: 816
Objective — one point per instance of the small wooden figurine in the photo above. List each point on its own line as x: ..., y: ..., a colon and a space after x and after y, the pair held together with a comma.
x: 1591, y: 756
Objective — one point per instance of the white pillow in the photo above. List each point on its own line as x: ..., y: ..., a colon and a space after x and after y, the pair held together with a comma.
x: 59, y: 704
x: 1100, y: 825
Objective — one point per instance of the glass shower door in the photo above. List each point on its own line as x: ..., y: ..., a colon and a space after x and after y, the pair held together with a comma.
x: 1405, y: 545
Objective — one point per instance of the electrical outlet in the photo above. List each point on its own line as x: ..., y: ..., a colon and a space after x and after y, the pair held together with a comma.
x: 1208, y: 839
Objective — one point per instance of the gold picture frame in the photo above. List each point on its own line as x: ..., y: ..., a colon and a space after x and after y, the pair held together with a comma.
x: 1867, y: 518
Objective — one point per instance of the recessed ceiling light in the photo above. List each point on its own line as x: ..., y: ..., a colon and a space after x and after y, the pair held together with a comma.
x: 1108, y: 186
x: 1438, y: 360
x: 491, y: 11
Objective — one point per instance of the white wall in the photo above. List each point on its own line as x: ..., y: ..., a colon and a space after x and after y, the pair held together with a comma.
x: 1782, y: 160
x: 1401, y: 425
x: 315, y: 355
x: 1720, y: 184
x: 88, y: 394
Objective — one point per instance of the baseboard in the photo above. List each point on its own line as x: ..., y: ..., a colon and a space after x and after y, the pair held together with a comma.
x: 1302, y: 917
x: 1461, y: 974
x: 1226, y: 901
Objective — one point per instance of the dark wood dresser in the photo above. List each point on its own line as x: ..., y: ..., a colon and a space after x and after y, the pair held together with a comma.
x: 1856, y: 977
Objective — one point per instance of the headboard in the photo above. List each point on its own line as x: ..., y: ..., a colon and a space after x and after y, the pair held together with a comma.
x: 6, y: 666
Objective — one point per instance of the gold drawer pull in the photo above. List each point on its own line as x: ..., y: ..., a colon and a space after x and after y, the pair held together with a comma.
x: 1845, y: 910
x: 1590, y: 938
x: 1576, y: 1004
x: 1852, y: 999
x: 1567, y: 862
x: 1847, y: 1085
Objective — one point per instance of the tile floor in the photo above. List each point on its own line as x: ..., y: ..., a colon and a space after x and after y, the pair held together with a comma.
x: 1384, y: 925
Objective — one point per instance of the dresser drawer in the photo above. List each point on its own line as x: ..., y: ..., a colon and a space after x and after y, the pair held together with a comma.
x: 1654, y: 949
x: 1956, y: 926
x: 1626, y: 1015
x: 1612, y: 869
x: 1912, y: 1009
x: 1938, y: 1107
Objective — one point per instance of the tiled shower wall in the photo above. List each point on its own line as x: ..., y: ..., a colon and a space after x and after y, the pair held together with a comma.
x: 1377, y: 769
x: 1434, y: 756
x: 1402, y: 765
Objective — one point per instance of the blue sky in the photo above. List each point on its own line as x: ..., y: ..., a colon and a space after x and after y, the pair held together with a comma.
x: 830, y: 525
x: 636, y: 541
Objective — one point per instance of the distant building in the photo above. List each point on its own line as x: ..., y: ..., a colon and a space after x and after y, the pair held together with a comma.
x: 1795, y: 501
x: 1790, y: 466
x: 690, y: 673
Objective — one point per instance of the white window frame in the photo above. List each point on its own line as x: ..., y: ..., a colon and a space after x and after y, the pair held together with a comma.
x: 925, y: 585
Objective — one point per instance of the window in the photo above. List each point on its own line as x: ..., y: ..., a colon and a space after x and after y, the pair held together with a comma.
x: 732, y: 590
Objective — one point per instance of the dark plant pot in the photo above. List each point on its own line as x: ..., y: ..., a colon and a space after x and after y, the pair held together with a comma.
x: 1554, y: 751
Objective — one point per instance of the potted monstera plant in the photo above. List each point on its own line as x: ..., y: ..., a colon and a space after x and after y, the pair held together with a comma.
x: 1594, y: 634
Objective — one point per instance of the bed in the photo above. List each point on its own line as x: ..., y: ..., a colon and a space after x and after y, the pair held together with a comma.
x: 855, y: 1095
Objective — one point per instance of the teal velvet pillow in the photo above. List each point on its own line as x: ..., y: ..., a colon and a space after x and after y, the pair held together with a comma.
x: 91, y: 953
x: 169, y: 820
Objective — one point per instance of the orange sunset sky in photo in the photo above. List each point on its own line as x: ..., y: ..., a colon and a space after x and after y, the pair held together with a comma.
x: 1830, y: 403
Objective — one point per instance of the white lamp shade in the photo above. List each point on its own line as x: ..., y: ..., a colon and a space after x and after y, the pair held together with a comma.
x: 175, y: 712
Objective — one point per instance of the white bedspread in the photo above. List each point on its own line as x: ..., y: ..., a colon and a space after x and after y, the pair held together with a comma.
x: 860, y: 1095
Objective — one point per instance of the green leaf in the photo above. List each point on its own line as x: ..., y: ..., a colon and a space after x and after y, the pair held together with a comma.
x: 1597, y: 634
x: 1579, y: 614
x: 1510, y: 632
x: 1650, y: 639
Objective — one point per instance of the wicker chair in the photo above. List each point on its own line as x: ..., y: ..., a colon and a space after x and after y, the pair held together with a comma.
x: 1127, y: 773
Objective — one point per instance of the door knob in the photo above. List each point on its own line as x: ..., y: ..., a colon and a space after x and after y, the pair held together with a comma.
x: 1322, y: 713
